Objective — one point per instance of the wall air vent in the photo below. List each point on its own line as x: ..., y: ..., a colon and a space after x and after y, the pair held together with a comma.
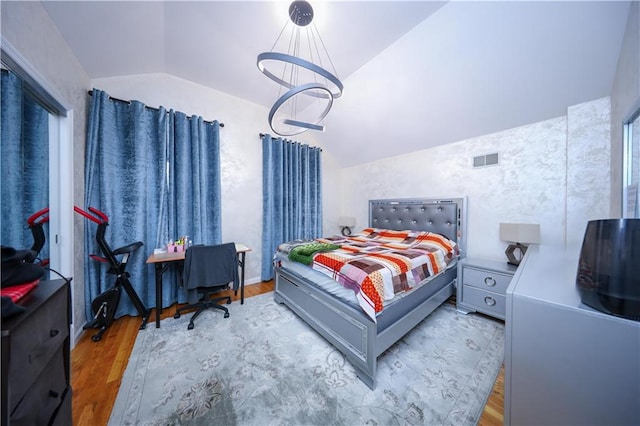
x: 486, y: 160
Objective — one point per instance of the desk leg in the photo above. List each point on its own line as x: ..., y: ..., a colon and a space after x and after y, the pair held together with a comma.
x: 159, y: 270
x: 242, y: 280
x: 241, y: 262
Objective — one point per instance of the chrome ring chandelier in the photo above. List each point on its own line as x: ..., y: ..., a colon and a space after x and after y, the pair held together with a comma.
x: 311, y: 88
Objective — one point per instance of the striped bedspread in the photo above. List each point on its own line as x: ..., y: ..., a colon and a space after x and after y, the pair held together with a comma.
x: 377, y: 264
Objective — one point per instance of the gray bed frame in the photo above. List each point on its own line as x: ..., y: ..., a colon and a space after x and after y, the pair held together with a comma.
x: 347, y: 327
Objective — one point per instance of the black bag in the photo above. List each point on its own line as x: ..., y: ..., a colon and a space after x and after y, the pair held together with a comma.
x: 18, y: 267
x: 104, y: 308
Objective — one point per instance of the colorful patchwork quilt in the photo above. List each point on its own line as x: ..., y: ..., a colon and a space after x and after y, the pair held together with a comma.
x: 376, y: 263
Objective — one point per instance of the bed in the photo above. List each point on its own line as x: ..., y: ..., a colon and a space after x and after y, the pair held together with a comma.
x: 344, y: 324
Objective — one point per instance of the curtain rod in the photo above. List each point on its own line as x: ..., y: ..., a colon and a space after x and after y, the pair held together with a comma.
x: 90, y: 92
x: 262, y: 135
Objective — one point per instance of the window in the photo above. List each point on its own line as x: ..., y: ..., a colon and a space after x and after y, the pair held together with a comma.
x: 631, y: 169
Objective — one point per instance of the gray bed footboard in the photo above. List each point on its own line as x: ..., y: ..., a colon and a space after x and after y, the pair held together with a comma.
x: 350, y: 330
x: 346, y: 328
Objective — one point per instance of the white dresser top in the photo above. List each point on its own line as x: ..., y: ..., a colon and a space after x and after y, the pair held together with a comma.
x: 548, y: 274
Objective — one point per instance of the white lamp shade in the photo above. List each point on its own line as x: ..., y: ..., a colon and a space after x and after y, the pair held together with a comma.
x: 526, y: 233
x: 346, y: 221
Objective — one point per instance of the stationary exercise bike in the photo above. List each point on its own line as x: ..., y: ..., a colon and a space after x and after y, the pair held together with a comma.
x: 106, y: 303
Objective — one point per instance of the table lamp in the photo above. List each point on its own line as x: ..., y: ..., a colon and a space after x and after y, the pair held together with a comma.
x: 520, y: 235
x: 346, y: 222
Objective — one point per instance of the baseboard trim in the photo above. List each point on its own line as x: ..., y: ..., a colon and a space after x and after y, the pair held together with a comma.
x: 75, y: 335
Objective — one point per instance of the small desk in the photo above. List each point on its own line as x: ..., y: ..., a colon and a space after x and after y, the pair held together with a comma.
x: 162, y: 262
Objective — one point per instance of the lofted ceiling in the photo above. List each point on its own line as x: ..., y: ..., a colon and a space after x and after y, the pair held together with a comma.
x: 417, y: 74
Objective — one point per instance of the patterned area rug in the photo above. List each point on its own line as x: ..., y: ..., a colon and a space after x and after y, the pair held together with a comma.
x: 265, y: 366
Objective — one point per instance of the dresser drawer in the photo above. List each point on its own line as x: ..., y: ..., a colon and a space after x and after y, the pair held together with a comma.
x: 485, y: 301
x: 34, y: 342
x: 487, y: 280
x: 62, y: 415
x: 46, y: 394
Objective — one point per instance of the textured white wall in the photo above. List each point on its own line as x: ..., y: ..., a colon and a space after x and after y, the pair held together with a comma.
x: 588, y: 169
x: 529, y: 184
x: 241, y: 151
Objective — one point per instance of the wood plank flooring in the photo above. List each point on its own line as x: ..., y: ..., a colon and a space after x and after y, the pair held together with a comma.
x: 97, y: 369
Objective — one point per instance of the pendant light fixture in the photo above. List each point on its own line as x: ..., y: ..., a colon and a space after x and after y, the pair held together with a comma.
x: 306, y: 88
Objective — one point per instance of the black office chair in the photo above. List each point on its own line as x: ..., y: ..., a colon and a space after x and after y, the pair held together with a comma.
x: 208, y: 270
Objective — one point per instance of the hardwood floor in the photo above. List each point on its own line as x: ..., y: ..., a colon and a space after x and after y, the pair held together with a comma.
x: 97, y: 369
x: 493, y: 413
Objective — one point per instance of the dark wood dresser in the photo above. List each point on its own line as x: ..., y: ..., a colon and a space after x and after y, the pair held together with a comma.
x: 36, y: 387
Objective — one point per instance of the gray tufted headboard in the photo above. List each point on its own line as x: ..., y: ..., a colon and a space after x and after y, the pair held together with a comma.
x: 443, y: 216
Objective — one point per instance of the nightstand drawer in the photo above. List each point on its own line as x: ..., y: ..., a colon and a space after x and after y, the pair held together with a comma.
x: 487, y: 280
x: 485, y: 301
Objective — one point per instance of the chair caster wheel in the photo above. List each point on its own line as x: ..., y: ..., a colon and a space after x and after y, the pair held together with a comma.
x: 226, y: 314
x: 190, y: 326
x: 176, y: 316
x: 96, y: 338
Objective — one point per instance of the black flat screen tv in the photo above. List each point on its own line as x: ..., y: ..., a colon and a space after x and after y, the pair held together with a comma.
x: 608, y: 276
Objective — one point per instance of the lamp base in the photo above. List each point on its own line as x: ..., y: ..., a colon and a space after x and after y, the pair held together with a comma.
x: 346, y: 231
x: 515, y: 253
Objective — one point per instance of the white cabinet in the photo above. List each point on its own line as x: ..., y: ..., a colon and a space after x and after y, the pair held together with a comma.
x: 566, y: 363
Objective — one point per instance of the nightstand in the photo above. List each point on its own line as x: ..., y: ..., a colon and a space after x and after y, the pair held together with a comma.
x: 482, y: 285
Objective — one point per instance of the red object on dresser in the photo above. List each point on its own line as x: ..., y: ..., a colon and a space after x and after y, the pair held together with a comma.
x: 17, y: 292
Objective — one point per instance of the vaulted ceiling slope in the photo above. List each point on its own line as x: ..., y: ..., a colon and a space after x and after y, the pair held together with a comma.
x: 417, y: 74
